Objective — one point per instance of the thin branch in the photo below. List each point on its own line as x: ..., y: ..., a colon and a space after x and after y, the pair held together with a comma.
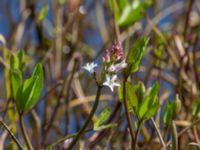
x: 140, y: 123
x: 37, y: 124
x: 66, y: 94
x: 65, y: 138
x: 61, y: 96
x: 181, y: 132
x: 191, y: 2
x: 72, y: 144
x: 12, y: 135
x: 59, y: 83
x: 24, y: 133
x: 174, y: 136
x: 158, y: 132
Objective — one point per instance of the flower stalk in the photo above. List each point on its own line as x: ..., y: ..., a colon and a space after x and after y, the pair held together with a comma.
x: 11, y: 134
x: 82, y: 130
x: 127, y: 112
x: 24, y: 133
x: 140, y: 123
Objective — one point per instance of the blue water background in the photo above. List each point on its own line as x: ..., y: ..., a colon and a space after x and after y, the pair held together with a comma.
x: 92, y: 36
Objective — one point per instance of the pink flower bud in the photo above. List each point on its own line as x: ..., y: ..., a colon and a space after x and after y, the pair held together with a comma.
x: 106, y: 57
x: 117, y: 51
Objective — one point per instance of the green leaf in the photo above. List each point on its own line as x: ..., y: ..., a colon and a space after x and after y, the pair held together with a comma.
x: 62, y: 2
x: 150, y: 103
x: 120, y: 94
x: 171, y: 110
x: 99, y: 124
x: 16, y: 80
x: 20, y: 55
x: 139, y: 90
x: 114, y: 6
x: 177, y: 104
x: 152, y: 110
x: 110, y: 125
x: 122, y: 4
x: 196, y: 107
x: 130, y: 16
x: 29, y: 92
x: 24, y: 93
x: 17, y: 60
x: 14, y: 62
x: 135, y: 55
x: 119, y: 4
x: 49, y: 147
x: 168, y: 113
x: 43, y: 13
x: 102, y: 117
x: 131, y: 97
x: 132, y: 13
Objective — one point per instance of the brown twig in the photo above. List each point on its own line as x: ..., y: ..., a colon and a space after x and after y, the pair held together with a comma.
x: 191, y: 2
x: 12, y: 135
x: 75, y: 140
x: 195, y: 67
x: 62, y: 95
x: 158, y: 132
x: 181, y: 132
x: 66, y: 93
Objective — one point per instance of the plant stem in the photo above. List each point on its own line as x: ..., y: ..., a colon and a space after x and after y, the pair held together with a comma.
x: 88, y: 119
x: 127, y: 112
x: 66, y: 94
x: 158, y: 132
x: 116, y: 29
x: 12, y: 135
x: 174, y: 136
x: 24, y: 133
x: 59, y: 141
x: 62, y: 95
x: 136, y: 134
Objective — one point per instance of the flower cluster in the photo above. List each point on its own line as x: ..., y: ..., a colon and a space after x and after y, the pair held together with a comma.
x: 113, y: 61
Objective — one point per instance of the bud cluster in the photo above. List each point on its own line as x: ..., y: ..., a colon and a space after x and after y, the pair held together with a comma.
x: 114, y: 59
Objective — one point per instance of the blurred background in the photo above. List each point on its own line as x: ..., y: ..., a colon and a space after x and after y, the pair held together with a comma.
x: 66, y: 34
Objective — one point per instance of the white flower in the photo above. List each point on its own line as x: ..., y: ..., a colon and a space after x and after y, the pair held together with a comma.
x: 117, y: 67
x: 90, y: 67
x: 66, y: 143
x: 110, y: 82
